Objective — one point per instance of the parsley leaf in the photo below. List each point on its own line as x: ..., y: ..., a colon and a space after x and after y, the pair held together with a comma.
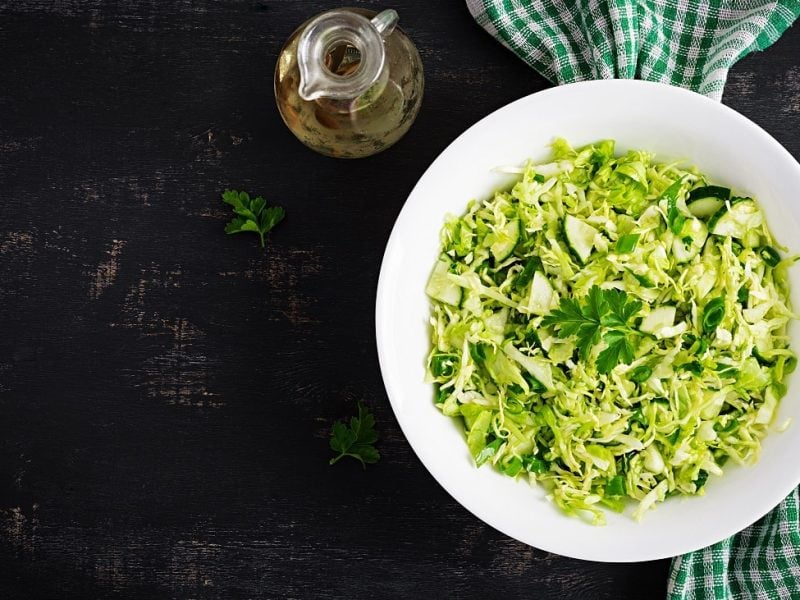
x: 253, y: 214
x: 356, y: 439
x: 596, y: 304
x: 619, y: 348
x: 572, y: 319
x: 620, y: 308
x: 604, y: 314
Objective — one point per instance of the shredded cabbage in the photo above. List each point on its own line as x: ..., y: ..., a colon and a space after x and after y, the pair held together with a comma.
x: 711, y: 357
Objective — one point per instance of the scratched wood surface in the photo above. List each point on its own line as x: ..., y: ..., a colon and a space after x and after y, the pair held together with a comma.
x: 166, y: 391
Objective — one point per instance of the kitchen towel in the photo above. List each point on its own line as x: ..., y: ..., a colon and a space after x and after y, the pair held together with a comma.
x: 761, y: 562
x: 688, y: 43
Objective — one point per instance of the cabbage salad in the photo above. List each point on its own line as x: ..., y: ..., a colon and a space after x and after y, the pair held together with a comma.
x: 613, y: 328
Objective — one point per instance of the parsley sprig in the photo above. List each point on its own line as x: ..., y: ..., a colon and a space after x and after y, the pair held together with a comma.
x: 254, y: 214
x: 604, y: 314
x: 356, y: 439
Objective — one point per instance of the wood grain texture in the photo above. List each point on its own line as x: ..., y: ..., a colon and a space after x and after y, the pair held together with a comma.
x: 166, y: 391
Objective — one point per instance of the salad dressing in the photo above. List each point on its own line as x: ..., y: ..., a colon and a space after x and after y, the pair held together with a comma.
x: 349, y: 82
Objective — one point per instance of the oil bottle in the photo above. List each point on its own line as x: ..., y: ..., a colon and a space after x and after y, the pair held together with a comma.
x: 349, y: 82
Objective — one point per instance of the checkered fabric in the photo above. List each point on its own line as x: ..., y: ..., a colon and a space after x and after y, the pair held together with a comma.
x: 688, y: 43
x: 760, y: 563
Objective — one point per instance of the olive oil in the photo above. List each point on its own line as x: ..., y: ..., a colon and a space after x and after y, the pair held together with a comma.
x: 349, y: 83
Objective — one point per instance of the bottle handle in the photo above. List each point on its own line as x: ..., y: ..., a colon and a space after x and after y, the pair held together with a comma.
x: 385, y: 22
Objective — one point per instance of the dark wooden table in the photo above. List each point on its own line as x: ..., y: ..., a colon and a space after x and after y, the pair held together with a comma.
x: 166, y: 392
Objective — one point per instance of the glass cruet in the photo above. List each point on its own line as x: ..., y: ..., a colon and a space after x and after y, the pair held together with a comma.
x: 349, y: 82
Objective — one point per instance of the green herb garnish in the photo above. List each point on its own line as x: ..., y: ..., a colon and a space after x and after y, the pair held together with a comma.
x: 603, y: 314
x: 356, y: 439
x: 254, y: 214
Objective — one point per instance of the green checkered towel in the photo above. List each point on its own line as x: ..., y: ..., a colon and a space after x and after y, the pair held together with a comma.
x: 689, y: 43
x: 763, y: 561
x: 692, y: 44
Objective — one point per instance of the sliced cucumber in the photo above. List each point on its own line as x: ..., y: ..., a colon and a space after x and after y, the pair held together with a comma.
x: 580, y: 237
x: 541, y: 294
x: 709, y: 191
x: 538, y: 367
x: 707, y: 200
x: 504, y: 240
x: 736, y: 221
x: 660, y: 318
x: 690, y: 241
x: 705, y: 207
x: 440, y: 287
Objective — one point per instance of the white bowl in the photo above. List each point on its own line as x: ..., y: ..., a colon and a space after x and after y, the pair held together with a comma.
x: 673, y: 123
